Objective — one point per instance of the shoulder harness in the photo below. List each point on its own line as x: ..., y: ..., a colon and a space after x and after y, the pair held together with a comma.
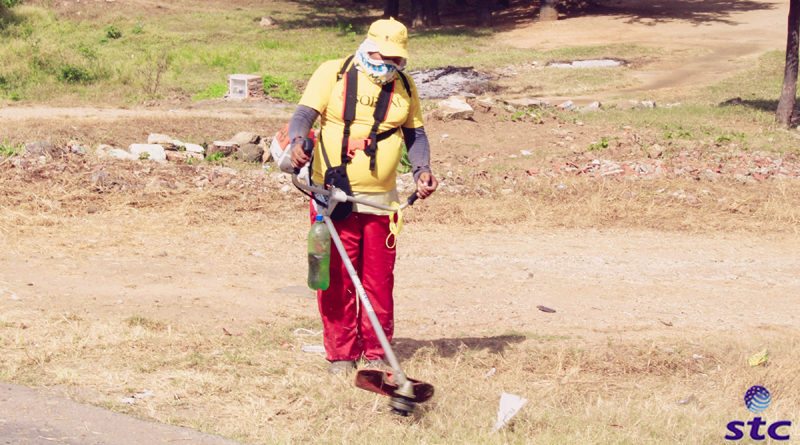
x: 369, y: 145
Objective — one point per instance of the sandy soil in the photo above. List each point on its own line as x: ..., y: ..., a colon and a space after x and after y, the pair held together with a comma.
x: 709, y: 39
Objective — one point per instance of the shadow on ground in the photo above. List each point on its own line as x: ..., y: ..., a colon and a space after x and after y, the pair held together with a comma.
x: 460, y: 17
x: 448, y: 347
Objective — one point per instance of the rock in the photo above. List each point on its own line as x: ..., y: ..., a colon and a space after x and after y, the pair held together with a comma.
x: 592, y: 107
x: 76, y: 147
x: 655, y: 151
x: 249, y: 152
x: 645, y: 104
x: 483, y: 105
x: 267, y: 154
x: 267, y: 22
x: 245, y: 137
x: 119, y: 153
x: 41, y: 148
x: 566, y: 106
x: 183, y: 156
x: 194, y: 148
x: 527, y: 102
x: 166, y: 142
x: 456, y: 107
x: 224, y: 147
x: 103, y: 151
x: 154, y: 152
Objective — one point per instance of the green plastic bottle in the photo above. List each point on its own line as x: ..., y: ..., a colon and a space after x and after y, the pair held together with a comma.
x: 319, y: 255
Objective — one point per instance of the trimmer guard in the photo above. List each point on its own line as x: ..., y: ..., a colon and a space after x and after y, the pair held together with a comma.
x: 380, y: 382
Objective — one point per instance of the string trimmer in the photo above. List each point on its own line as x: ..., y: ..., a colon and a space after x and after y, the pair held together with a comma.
x: 404, y: 392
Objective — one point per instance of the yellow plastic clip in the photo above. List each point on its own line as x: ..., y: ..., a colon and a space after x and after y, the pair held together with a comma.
x: 395, y: 225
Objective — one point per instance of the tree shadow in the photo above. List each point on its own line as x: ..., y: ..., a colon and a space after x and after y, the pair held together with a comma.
x: 8, y: 17
x: 449, y: 347
x: 347, y: 15
x: 770, y: 106
x: 697, y: 12
x: 759, y: 104
x: 460, y: 18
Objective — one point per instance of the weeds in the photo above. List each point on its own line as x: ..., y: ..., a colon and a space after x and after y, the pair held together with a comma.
x: 405, y: 164
x: 603, y: 143
x: 213, y: 91
x: 75, y: 74
x: 8, y: 150
x: 112, y: 32
x: 280, y: 88
x: 153, y: 73
x: 9, y: 3
x: 215, y: 158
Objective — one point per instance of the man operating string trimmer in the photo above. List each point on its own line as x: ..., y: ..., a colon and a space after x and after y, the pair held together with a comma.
x: 368, y: 108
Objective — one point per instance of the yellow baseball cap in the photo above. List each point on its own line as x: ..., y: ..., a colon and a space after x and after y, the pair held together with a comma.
x: 390, y: 36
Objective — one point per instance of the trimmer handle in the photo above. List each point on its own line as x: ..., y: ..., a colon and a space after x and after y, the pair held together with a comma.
x: 308, y: 148
x: 412, y: 199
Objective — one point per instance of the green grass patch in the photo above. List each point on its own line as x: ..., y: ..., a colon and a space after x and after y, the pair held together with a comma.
x: 7, y: 150
x: 214, y: 90
x: 281, y: 88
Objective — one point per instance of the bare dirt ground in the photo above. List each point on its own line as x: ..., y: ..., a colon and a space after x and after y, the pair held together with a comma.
x: 223, y: 248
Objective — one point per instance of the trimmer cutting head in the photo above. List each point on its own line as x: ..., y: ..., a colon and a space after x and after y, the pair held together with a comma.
x: 402, y: 399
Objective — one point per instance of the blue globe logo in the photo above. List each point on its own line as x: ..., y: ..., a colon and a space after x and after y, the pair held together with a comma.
x: 757, y: 399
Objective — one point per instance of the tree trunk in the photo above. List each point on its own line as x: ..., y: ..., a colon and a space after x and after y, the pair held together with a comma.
x: 425, y: 13
x: 391, y: 9
x: 789, y: 92
x: 548, y: 11
x: 416, y: 14
x: 483, y: 10
x: 432, y: 13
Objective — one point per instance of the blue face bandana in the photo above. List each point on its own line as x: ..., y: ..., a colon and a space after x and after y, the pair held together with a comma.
x: 379, y: 71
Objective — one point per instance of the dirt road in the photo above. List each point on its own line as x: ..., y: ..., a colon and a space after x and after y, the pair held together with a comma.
x: 713, y: 39
x: 450, y: 280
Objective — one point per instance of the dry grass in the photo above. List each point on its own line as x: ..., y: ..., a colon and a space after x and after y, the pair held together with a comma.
x: 67, y: 188
x: 257, y: 386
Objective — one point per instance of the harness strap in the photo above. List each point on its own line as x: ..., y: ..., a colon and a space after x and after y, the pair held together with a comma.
x: 349, y: 112
x: 381, y: 111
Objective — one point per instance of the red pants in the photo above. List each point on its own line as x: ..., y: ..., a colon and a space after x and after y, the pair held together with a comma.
x: 348, y: 333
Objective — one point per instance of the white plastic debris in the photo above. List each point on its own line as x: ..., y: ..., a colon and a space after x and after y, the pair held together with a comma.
x: 303, y: 332
x: 143, y: 395
x: 314, y: 349
x: 489, y: 374
x: 510, y: 405
x: 128, y: 401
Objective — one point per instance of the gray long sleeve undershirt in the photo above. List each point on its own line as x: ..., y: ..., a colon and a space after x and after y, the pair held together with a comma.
x: 419, y: 149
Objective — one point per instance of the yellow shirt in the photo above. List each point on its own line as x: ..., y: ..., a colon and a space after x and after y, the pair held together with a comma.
x: 324, y: 94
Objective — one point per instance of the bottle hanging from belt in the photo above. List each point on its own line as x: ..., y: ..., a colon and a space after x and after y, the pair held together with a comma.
x: 319, y: 255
